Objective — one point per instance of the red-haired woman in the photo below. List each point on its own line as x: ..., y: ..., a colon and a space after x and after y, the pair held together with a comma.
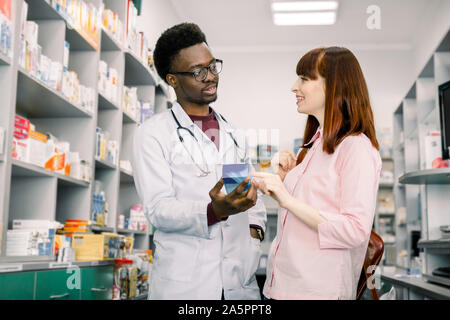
x: 327, y: 197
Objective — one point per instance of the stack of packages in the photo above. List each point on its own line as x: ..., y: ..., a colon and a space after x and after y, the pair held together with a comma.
x: 52, y: 73
x: 137, y: 218
x: 5, y: 28
x: 82, y: 16
x: 31, y: 238
x: 113, y: 25
x: 108, y: 83
x: 137, y: 41
x: 136, y: 109
x: 131, y: 104
x: 106, y: 149
x: 46, y: 151
x: 75, y: 226
x: 99, y: 206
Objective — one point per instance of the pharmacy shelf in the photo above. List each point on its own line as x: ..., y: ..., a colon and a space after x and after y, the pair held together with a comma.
x: 126, y: 176
x: 104, y: 164
x: 78, y: 40
x: 4, y: 60
x: 386, y: 214
x: 106, y: 104
x: 128, y: 119
x: 42, y: 263
x: 136, y: 73
x: 441, y: 245
x: 41, y: 10
x: 429, y: 176
x: 436, y: 279
x: 108, y: 42
x: 23, y: 169
x: 162, y: 86
x: 399, y: 278
x: 128, y: 231
x: 18, y: 263
x: 37, y: 100
x: 96, y: 228
x: 386, y: 185
x: 53, y: 112
x: 143, y: 296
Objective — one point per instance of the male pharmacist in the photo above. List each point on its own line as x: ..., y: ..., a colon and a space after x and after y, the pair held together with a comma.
x: 207, y: 242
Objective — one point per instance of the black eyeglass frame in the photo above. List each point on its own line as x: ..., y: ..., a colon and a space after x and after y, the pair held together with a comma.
x: 208, y: 68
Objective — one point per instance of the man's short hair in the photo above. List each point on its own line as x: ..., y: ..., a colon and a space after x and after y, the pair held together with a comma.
x: 170, y: 43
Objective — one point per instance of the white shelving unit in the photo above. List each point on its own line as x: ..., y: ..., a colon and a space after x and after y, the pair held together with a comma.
x: 384, y: 223
x: 31, y: 192
x: 424, y: 193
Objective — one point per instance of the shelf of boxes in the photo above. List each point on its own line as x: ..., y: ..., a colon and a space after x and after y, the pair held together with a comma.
x: 23, y: 169
x: 51, y: 103
x: 105, y: 103
x: 136, y: 72
x: 104, y: 164
x: 108, y: 41
x: 29, y: 191
x: 422, y: 184
x: 4, y: 60
x: 75, y: 34
x: 126, y: 176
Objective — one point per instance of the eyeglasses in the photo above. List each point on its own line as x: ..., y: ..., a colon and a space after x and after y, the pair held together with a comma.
x: 200, y: 74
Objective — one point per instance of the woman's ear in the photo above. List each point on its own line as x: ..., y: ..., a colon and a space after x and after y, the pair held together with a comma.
x: 172, y: 80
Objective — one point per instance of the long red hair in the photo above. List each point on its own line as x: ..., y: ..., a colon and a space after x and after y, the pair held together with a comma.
x: 347, y: 104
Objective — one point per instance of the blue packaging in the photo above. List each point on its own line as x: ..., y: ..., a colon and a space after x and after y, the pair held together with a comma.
x: 233, y: 175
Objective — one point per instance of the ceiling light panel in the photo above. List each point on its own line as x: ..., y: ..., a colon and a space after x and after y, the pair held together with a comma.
x: 304, y: 18
x: 297, y: 6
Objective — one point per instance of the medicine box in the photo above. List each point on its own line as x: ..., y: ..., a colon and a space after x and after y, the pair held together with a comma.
x: 5, y: 8
x: 66, y: 56
x: 37, y: 148
x: 93, y: 247
x: 20, y: 138
x: 31, y: 32
x: 432, y: 145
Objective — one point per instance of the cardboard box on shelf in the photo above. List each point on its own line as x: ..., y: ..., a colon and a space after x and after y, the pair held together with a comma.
x: 30, y: 242
x: 432, y: 145
x: 34, y: 224
x: 93, y: 247
x: 20, y: 138
x: 66, y: 55
x: 37, y: 148
x: 5, y: 8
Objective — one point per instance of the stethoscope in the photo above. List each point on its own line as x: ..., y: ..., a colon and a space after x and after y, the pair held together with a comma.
x: 203, y: 172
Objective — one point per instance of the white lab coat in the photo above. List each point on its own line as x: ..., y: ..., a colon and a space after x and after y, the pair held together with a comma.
x: 192, y: 260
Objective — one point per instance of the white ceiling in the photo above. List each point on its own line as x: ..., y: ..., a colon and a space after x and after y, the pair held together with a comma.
x: 237, y: 24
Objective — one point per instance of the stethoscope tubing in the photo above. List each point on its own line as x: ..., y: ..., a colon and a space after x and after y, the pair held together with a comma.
x: 180, y: 127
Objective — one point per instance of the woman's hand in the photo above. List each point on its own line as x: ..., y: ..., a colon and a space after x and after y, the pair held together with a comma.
x: 283, y: 162
x: 271, y: 184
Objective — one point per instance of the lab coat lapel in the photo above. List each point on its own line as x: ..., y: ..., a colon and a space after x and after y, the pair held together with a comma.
x: 226, y: 143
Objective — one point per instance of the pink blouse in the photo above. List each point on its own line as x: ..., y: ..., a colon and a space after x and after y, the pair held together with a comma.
x: 306, y: 264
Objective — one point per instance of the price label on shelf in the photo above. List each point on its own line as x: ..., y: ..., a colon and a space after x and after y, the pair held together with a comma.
x: 53, y: 265
x: 11, y: 267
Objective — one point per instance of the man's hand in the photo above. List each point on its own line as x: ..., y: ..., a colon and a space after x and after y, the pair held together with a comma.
x: 225, y: 205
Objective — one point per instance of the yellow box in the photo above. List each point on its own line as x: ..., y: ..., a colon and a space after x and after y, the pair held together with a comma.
x: 93, y: 247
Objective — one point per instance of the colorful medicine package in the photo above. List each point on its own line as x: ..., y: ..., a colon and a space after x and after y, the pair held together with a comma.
x: 233, y: 175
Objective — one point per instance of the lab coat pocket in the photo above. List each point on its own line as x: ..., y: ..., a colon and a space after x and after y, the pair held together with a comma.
x: 178, y: 258
x: 252, y: 261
